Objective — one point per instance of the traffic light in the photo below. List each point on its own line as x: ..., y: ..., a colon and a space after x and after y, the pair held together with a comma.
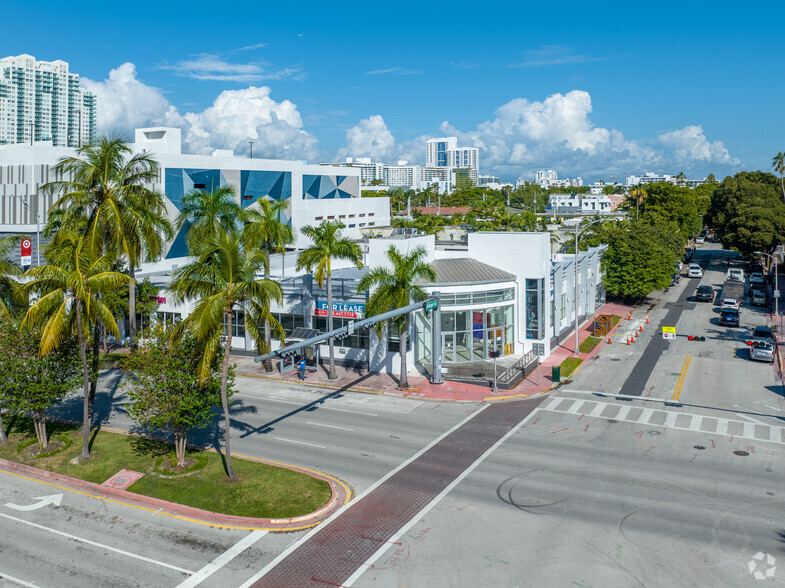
x: 696, y: 338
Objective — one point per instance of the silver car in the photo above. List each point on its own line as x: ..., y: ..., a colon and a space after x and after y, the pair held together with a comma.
x: 761, y: 350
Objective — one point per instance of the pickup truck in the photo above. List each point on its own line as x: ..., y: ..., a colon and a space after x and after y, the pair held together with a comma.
x: 734, y: 274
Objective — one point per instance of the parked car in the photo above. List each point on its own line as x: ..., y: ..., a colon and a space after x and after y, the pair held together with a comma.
x: 758, y: 298
x: 704, y: 294
x: 729, y: 317
x: 761, y: 350
x: 755, y: 288
x: 732, y: 303
x: 764, y: 333
x: 695, y: 271
x: 699, y: 241
x: 757, y: 278
x: 756, y: 265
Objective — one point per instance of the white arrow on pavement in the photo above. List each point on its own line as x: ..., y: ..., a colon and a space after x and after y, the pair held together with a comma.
x: 53, y: 499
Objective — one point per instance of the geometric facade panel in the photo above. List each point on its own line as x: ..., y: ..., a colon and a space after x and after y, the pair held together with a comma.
x: 274, y: 185
x: 321, y: 187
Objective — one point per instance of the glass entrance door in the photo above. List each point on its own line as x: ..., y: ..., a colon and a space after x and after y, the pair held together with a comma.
x: 448, y: 346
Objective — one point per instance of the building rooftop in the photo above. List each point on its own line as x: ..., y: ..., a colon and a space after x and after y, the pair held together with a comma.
x: 463, y: 271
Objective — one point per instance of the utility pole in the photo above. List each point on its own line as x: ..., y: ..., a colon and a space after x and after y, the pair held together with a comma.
x: 251, y: 142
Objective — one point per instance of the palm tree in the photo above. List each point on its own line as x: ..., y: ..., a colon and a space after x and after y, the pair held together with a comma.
x: 397, y: 288
x: 778, y: 163
x: 8, y: 271
x: 327, y: 244
x: 70, y: 303
x: 639, y: 194
x: 264, y: 230
x: 108, y: 197
x: 221, y: 279
x: 208, y: 212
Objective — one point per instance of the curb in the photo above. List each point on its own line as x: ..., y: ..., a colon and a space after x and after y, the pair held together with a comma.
x: 340, y: 494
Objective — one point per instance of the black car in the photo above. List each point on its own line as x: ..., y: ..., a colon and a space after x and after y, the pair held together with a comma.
x: 729, y: 317
x: 705, y: 294
x: 756, y: 287
x: 763, y: 333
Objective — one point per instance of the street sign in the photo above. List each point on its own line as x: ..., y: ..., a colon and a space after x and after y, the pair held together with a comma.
x: 430, y: 305
x: 27, y: 252
x: 350, y: 328
x: 669, y: 335
x: 776, y: 293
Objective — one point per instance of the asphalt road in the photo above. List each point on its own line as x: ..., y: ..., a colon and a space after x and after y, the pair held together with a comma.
x: 678, y: 484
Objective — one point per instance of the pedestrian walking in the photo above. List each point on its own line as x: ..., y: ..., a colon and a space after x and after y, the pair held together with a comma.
x: 302, y: 368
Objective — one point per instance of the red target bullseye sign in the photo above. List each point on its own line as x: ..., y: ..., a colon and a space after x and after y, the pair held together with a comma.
x: 27, y: 252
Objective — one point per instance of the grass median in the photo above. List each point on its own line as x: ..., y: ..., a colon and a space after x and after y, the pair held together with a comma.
x: 261, y: 491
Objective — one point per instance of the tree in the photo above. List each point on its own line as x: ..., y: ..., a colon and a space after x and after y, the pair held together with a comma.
x: 70, y: 303
x: 165, y: 388
x: 396, y: 288
x: 327, y: 244
x: 264, y: 230
x: 207, y: 213
x: 221, y: 279
x: 31, y: 383
x: 8, y: 273
x: 108, y: 197
x: 778, y: 163
x: 710, y: 179
x: 747, y: 213
x: 640, y: 255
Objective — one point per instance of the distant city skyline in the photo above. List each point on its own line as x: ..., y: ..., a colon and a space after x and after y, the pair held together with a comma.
x: 693, y: 91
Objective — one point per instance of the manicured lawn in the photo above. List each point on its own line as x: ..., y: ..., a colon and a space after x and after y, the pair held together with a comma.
x: 262, y: 491
x: 615, y: 318
x: 589, y: 343
x: 569, y: 365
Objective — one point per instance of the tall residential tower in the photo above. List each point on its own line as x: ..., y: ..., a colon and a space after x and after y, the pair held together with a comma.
x: 43, y: 98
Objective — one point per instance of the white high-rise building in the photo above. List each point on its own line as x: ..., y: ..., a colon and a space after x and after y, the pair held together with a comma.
x: 444, y: 152
x: 43, y: 99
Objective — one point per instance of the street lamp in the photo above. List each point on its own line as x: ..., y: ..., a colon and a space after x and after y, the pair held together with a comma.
x: 577, y: 234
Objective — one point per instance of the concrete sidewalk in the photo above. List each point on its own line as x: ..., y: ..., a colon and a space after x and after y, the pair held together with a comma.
x: 419, y: 386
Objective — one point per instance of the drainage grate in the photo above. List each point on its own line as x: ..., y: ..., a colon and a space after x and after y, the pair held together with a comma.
x: 741, y: 453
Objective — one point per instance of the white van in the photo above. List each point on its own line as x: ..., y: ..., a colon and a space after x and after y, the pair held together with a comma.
x: 694, y: 271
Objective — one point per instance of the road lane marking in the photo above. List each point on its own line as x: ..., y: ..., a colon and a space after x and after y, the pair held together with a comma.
x: 576, y: 406
x: 295, y: 544
x: 670, y: 419
x: 53, y: 499
x: 301, y: 442
x: 325, y: 407
x: 682, y: 376
x: 361, y: 569
x: 329, y: 426
x: 645, y: 415
x: 623, y: 412
x: 222, y: 559
x: 95, y: 544
x: 598, y: 409
x: 4, y: 576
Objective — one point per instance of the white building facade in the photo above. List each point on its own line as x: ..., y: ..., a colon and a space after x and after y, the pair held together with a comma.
x: 580, y: 204
x: 41, y: 101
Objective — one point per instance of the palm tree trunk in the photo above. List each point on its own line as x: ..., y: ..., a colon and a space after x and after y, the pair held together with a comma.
x: 224, y: 400
x: 268, y: 363
x: 86, y: 373
x: 40, y: 427
x: 96, y: 362
x: 132, y: 306
x: 331, y: 374
x: 3, y: 436
x: 404, y: 383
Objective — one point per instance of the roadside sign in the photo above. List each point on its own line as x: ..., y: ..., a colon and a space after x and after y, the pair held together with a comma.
x: 27, y: 251
x: 430, y: 305
x: 350, y: 328
x: 776, y: 293
x: 669, y: 335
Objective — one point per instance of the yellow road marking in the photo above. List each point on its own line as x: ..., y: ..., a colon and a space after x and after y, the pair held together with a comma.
x: 682, y: 376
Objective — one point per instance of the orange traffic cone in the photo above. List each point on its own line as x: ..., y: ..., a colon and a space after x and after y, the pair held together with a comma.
x: 637, y: 333
x: 647, y: 319
x: 640, y: 327
x: 628, y: 339
x: 629, y: 316
x: 609, y: 339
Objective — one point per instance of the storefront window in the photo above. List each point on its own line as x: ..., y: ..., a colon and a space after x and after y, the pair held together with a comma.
x: 533, y: 310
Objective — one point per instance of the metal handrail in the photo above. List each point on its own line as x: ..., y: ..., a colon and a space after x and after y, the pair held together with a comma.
x: 521, y: 364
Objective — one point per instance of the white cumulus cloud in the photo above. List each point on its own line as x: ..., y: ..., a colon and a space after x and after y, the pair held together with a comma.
x: 690, y: 143
x: 370, y: 137
x: 235, y: 117
x: 124, y: 102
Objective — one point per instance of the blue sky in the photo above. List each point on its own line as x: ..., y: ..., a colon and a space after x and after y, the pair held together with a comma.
x: 587, y: 89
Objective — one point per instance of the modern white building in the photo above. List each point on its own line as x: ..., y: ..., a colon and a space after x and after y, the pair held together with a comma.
x: 580, y: 204
x: 548, y: 178
x: 445, y: 153
x: 313, y: 192
x: 652, y: 178
x: 41, y: 101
